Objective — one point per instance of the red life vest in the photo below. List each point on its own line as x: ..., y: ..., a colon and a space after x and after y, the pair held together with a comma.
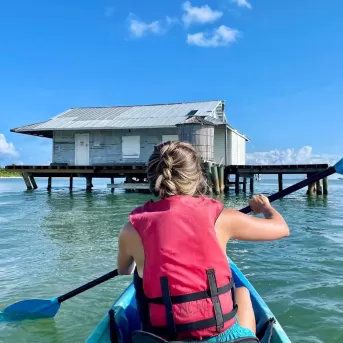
x: 187, y: 279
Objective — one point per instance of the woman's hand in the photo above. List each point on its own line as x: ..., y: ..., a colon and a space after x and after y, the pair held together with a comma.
x: 259, y: 203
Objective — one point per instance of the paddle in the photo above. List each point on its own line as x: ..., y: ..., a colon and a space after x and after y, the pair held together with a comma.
x: 337, y: 168
x: 36, y: 308
x: 40, y: 308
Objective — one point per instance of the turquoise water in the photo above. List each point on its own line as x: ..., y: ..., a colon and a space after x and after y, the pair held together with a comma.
x: 53, y: 242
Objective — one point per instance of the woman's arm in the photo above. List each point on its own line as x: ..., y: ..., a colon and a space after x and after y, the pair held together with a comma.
x: 241, y: 226
x: 125, y: 261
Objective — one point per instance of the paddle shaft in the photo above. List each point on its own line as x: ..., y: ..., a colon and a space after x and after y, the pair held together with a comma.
x: 296, y: 187
x: 88, y: 285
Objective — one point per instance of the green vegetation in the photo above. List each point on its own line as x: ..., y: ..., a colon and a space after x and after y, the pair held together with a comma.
x: 8, y: 173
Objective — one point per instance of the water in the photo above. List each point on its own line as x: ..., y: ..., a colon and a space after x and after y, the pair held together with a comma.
x: 53, y: 242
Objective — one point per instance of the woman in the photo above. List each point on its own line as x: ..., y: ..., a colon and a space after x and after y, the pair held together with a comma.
x: 176, y: 248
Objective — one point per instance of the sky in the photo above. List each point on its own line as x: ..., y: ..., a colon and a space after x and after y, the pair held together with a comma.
x: 276, y: 63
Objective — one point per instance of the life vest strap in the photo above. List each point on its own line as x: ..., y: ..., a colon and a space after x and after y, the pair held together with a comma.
x: 179, y: 299
x: 218, y: 320
x: 193, y: 326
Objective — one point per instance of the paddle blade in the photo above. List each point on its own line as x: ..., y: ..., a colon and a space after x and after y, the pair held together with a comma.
x: 339, y: 166
x: 31, y: 309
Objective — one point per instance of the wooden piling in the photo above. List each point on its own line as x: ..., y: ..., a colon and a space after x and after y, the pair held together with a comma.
x: 27, y: 181
x: 49, y: 183
x: 244, y: 185
x: 226, y: 181
x: 311, y: 187
x: 33, y: 181
x: 280, y: 182
x: 319, y: 187
x: 215, y: 179
x: 252, y: 184
x: 237, y: 184
x: 71, y: 183
x: 112, y: 183
x: 325, y: 186
x: 221, y: 178
x: 208, y: 171
x: 89, y: 183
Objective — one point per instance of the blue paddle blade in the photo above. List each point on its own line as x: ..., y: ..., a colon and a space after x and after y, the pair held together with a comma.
x: 31, y: 309
x: 339, y: 166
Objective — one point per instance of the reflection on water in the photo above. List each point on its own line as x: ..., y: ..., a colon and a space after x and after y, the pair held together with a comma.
x: 54, y: 241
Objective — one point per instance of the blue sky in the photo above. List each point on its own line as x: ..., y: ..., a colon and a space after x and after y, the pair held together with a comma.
x: 278, y: 65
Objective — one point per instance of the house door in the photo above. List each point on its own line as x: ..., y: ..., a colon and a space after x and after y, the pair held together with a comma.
x: 82, y: 149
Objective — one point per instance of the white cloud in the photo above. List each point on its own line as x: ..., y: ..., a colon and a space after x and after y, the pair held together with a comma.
x: 242, y: 3
x: 139, y: 28
x: 290, y: 156
x: 203, y: 14
x: 7, y: 149
x: 222, y: 36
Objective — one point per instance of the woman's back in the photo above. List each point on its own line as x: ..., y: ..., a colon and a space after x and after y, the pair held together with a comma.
x: 178, y: 246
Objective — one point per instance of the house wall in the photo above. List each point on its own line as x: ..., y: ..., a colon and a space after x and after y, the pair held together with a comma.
x: 235, y: 150
x: 106, y: 146
x: 219, y: 145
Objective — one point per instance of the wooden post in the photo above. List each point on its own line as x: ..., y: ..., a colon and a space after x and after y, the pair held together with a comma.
x: 311, y: 187
x: 27, y: 181
x: 244, y: 184
x: 89, y: 183
x: 215, y: 179
x: 33, y: 181
x: 280, y: 182
x: 237, y: 184
x: 112, y: 183
x: 325, y: 186
x: 226, y: 181
x: 221, y: 178
x: 71, y: 182
x: 209, y: 177
x: 319, y: 187
x: 49, y: 183
x: 252, y: 184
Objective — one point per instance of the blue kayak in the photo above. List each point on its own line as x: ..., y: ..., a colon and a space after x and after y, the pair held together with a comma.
x: 122, y: 319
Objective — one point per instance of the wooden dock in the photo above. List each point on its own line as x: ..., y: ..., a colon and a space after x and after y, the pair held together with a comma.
x: 218, y: 176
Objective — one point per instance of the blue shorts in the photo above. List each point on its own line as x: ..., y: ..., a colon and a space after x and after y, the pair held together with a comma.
x: 234, y: 332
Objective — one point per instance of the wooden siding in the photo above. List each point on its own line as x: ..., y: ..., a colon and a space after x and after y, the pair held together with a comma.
x: 105, y: 146
x: 219, y: 145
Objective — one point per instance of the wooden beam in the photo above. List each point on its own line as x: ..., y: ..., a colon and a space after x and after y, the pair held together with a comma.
x: 311, y: 187
x: 49, y: 182
x: 112, y: 183
x: 244, y: 185
x: 33, y: 181
x: 215, y: 179
x: 252, y: 184
x: 27, y: 181
x: 237, y: 184
x: 89, y: 183
x: 319, y: 187
x: 221, y: 178
x: 208, y: 170
x: 325, y: 186
x: 134, y: 185
x: 280, y: 182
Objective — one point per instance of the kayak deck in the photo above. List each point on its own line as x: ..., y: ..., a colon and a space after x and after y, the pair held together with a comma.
x: 126, y: 318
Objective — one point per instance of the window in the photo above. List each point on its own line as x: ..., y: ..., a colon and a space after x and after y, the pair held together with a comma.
x: 131, y: 146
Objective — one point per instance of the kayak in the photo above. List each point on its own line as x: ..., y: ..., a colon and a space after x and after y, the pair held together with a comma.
x: 122, y: 319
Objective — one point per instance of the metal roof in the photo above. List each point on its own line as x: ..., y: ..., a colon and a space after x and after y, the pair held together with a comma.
x: 124, y: 117
x: 127, y: 117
